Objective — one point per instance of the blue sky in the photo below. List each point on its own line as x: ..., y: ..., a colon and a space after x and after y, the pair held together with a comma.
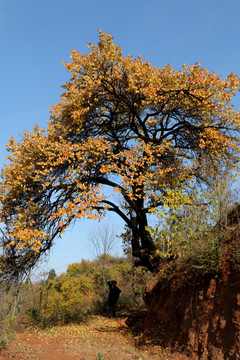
x: 37, y: 35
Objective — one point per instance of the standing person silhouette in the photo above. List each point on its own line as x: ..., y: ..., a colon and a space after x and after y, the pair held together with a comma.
x: 113, y: 297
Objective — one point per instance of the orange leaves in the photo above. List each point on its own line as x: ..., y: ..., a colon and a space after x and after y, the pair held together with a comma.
x: 122, y: 127
x: 26, y: 238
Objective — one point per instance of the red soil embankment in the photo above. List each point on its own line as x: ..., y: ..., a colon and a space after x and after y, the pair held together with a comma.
x: 200, y: 318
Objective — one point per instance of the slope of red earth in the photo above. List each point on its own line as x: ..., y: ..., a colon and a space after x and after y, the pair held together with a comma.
x: 199, y: 318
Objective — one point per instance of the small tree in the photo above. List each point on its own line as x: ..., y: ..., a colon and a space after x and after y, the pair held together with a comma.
x: 102, y: 240
x: 52, y: 274
x: 194, y: 224
x: 125, y: 127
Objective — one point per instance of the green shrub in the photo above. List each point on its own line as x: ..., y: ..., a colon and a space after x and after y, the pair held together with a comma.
x: 3, y: 344
x: 100, y: 356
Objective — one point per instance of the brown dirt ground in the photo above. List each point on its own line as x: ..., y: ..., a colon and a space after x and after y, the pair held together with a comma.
x: 111, y: 337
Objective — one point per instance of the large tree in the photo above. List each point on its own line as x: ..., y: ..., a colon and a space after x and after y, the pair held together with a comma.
x: 121, y: 127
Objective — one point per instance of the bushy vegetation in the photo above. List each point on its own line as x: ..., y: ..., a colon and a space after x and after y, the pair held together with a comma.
x: 81, y: 291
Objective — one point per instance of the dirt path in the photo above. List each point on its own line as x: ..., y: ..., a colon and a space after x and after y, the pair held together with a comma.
x: 109, y: 337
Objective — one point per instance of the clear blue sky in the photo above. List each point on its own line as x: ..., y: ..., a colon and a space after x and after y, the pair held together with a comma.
x: 37, y: 35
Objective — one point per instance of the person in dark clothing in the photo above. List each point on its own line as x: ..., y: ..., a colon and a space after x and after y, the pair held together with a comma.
x: 113, y: 297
